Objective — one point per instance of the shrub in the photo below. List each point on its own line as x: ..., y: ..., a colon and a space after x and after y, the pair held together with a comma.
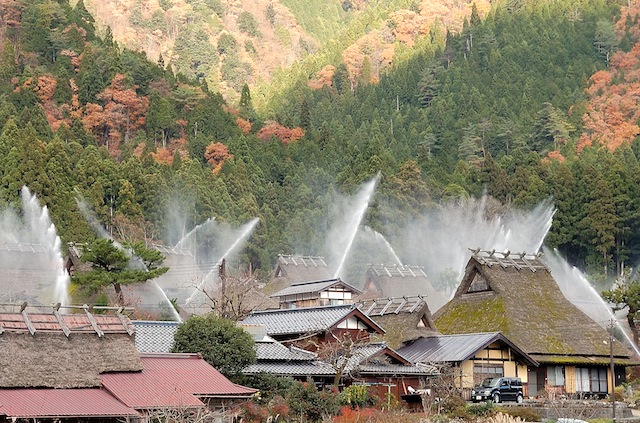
x: 248, y: 24
x: 306, y: 401
x: 356, y: 396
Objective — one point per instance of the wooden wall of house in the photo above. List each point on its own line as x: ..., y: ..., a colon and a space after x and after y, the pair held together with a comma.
x: 381, y: 386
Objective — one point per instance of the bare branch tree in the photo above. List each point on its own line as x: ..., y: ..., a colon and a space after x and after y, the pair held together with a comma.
x: 234, y: 297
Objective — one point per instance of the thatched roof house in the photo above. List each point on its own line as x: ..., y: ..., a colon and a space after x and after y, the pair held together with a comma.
x: 401, y: 281
x: 515, y: 294
x: 78, y: 346
x: 28, y: 273
x: 292, y: 269
x: 404, y: 318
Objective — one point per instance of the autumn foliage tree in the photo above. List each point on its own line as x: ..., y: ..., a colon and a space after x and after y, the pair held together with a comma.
x: 284, y: 134
x: 216, y: 153
x: 119, y: 113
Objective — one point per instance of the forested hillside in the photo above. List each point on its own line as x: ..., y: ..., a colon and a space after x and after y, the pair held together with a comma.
x: 517, y: 102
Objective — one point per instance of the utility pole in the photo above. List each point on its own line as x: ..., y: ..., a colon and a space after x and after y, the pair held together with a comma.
x: 613, y: 372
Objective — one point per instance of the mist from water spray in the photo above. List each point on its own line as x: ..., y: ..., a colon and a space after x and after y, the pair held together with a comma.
x: 243, y: 234
x: 381, y: 239
x: 134, y: 261
x: 441, y: 238
x: 195, y: 229
x: 343, y: 233
x: 40, y: 230
x: 579, y: 291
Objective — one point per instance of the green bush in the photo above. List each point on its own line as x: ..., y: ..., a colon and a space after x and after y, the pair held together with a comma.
x: 357, y: 396
x: 248, y: 24
x: 306, y: 401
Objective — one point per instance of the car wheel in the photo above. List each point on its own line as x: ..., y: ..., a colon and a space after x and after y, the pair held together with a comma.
x: 519, y: 398
x: 496, y: 398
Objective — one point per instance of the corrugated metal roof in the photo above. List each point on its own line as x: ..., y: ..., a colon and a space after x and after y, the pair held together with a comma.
x: 154, y: 336
x: 447, y: 348
x: 299, y: 320
x: 313, y: 286
x: 59, y: 403
x: 171, y: 380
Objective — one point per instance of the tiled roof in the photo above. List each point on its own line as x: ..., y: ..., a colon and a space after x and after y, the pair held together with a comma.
x: 302, y: 320
x: 454, y: 348
x: 275, y: 351
x: 61, y: 403
x: 171, y: 380
x: 296, y: 368
x: 313, y: 286
x: 154, y: 336
x: 378, y: 358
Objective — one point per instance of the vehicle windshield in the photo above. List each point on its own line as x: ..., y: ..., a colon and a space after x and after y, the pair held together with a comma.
x: 490, y: 382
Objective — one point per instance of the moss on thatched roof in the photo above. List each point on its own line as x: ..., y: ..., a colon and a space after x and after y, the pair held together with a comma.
x: 526, y: 305
x: 404, y: 318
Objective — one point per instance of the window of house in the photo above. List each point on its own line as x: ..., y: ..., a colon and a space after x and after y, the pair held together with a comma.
x: 555, y: 375
x: 591, y: 380
x: 482, y: 371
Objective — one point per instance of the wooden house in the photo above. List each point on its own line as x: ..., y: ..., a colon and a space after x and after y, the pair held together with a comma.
x: 467, y: 359
x: 373, y: 364
x: 516, y: 295
x: 382, y: 281
x: 316, y: 293
x: 404, y: 318
x: 311, y: 327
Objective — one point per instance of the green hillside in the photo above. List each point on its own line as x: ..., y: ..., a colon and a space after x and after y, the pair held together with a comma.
x: 496, y: 107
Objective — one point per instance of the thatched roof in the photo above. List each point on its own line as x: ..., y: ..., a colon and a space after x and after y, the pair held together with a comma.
x: 63, y: 351
x: 516, y: 294
x: 292, y: 269
x: 401, y: 281
x: 403, y: 318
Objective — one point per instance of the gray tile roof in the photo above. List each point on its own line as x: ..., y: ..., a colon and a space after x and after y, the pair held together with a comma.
x: 308, y: 368
x: 313, y: 286
x: 154, y: 336
x: 275, y: 351
x: 454, y: 348
x: 300, y: 320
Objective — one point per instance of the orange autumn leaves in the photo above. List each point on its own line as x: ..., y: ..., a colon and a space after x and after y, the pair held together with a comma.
x: 612, y: 113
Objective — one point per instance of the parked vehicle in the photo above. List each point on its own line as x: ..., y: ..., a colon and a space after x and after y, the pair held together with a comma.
x: 498, y: 389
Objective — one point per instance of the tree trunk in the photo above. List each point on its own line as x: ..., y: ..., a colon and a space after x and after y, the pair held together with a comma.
x: 119, y: 296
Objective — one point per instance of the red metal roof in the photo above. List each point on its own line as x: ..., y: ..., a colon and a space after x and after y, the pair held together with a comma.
x: 53, y: 403
x: 171, y: 380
